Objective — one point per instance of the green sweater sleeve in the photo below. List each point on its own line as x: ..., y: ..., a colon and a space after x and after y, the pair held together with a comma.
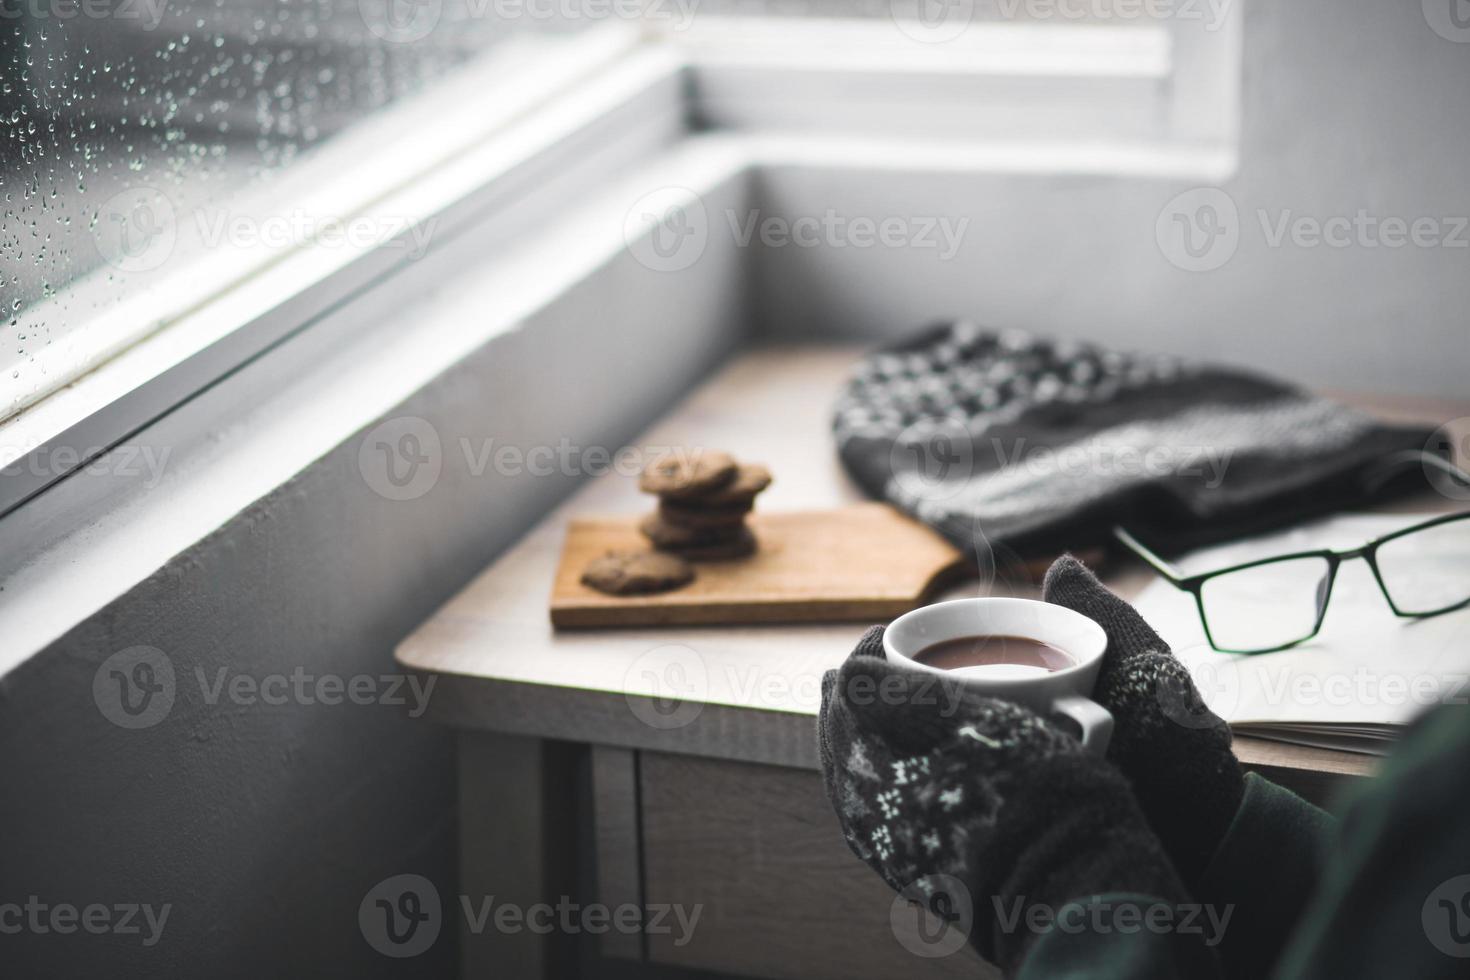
x: 1127, y: 937
x: 1395, y: 899
x: 1264, y: 873
x: 1384, y: 894
x: 1248, y: 901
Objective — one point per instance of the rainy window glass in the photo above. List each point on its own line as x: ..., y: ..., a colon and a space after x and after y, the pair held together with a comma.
x: 122, y: 118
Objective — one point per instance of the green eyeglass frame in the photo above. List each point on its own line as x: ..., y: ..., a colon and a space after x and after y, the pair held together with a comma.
x: 1194, y: 584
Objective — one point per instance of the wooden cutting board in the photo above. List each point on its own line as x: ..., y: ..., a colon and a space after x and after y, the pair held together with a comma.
x: 860, y: 562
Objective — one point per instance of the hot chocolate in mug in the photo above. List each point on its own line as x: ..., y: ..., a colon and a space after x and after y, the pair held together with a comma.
x: 1037, y: 654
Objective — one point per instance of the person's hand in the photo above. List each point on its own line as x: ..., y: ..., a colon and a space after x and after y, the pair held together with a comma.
x: 929, y: 779
x: 1173, y: 749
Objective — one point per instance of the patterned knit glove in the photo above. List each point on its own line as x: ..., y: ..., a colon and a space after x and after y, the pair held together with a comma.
x: 1173, y: 749
x: 929, y: 779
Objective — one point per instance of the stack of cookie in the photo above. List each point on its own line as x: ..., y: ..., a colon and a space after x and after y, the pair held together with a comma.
x: 704, y: 496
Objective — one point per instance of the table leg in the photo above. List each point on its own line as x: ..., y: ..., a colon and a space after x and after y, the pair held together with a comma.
x: 517, y: 833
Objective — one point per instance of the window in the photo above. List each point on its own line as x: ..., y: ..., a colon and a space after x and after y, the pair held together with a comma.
x: 176, y: 175
x: 140, y: 136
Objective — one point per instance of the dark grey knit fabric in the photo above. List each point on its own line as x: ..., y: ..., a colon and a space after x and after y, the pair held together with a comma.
x: 1006, y: 439
x: 1174, y: 750
x: 936, y: 786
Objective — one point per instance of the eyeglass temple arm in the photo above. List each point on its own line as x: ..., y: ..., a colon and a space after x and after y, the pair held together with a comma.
x: 1143, y: 551
x: 1394, y: 463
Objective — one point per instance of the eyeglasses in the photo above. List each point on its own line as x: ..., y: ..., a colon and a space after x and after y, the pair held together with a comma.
x: 1423, y: 570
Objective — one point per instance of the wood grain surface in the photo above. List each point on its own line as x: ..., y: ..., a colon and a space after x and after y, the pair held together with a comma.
x: 759, y: 851
x: 860, y: 563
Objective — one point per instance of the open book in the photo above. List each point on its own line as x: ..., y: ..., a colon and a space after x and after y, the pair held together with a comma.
x: 1353, y: 686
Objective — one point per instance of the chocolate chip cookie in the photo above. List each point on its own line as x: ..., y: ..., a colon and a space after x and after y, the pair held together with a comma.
x: 690, y: 473
x: 698, y: 544
x: 667, y: 536
x: 743, y: 543
x: 637, y: 573
x: 696, y: 515
x: 750, y: 480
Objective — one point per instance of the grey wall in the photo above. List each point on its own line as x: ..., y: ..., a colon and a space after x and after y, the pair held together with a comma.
x: 1347, y: 105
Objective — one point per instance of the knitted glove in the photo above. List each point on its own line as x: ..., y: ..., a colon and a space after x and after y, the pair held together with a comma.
x: 1173, y: 749
x: 930, y: 779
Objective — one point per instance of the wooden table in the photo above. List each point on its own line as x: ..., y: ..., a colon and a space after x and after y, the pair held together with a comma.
x: 678, y: 765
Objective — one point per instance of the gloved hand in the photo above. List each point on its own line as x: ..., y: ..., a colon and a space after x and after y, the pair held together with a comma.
x: 929, y: 779
x: 1173, y: 749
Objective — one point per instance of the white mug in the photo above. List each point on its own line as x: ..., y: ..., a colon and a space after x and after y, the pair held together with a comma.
x: 1064, y: 691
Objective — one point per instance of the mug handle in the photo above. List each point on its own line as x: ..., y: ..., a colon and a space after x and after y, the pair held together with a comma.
x: 1094, y: 720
